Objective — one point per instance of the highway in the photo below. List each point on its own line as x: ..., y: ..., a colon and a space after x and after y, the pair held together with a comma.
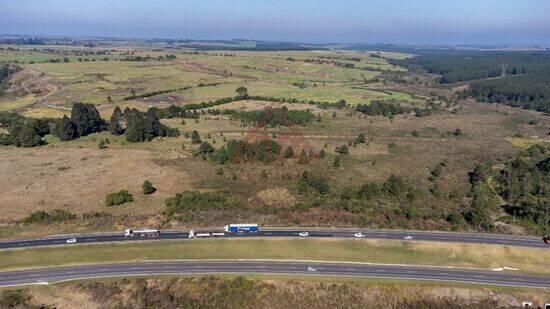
x: 52, y: 275
x: 479, y: 238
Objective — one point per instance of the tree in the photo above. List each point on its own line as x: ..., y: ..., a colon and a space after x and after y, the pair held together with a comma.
x: 102, y: 144
x: 66, y: 130
x: 242, y: 91
x: 322, y: 153
x: 114, y: 123
x: 86, y: 119
x: 289, y: 152
x: 27, y: 136
x: 304, y: 158
x: 147, y: 187
x: 195, y: 137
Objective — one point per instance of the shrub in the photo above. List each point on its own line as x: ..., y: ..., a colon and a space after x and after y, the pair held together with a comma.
x: 147, y: 187
x: 118, y: 198
x: 304, y: 158
x: 43, y: 217
x: 319, y: 183
x: 206, y: 148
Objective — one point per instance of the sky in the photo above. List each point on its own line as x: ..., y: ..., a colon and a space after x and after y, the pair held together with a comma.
x: 520, y: 22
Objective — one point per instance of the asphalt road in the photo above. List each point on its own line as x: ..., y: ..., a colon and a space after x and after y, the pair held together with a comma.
x: 481, y: 238
x: 52, y: 275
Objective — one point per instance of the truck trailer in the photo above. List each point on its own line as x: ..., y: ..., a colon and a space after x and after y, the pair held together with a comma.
x: 142, y: 233
x: 241, y: 228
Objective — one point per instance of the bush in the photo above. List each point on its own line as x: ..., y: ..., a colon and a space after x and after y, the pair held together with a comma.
x: 198, y: 201
x: 118, y: 198
x: 15, y: 298
x: 147, y: 187
x: 43, y: 217
x: 319, y: 183
x: 206, y: 148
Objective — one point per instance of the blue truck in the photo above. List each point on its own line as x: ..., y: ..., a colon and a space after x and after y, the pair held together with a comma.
x: 241, y: 228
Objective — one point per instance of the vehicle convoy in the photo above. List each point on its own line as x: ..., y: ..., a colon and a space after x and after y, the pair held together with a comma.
x: 241, y: 228
x: 142, y: 233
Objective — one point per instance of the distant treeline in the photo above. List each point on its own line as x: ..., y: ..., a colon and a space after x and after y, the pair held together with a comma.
x: 258, y: 47
x: 520, y: 79
x: 187, y: 110
x: 389, y: 108
x: 22, y: 41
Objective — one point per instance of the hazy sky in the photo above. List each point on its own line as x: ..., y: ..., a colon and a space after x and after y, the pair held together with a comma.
x: 369, y: 21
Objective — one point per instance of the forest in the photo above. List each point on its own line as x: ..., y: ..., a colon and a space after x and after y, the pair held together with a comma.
x: 520, y: 79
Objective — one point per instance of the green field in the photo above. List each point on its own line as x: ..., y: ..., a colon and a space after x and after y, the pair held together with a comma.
x: 264, y: 73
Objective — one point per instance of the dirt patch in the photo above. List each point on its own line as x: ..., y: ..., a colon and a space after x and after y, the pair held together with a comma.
x: 77, y: 180
x: 276, y: 197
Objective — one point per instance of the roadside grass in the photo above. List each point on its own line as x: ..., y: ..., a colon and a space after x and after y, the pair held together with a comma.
x: 527, y: 260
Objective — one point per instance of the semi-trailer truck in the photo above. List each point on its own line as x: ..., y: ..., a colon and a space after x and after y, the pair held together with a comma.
x: 142, y: 233
x: 193, y: 234
x: 241, y: 228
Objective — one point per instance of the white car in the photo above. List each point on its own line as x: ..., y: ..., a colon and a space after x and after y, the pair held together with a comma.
x: 71, y: 241
x: 311, y: 268
x: 304, y: 234
x: 359, y: 235
x: 408, y: 237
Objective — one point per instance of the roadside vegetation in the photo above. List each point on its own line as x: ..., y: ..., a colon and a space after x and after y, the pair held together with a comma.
x: 264, y: 291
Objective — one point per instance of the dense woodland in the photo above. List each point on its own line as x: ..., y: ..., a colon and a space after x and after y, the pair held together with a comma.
x: 519, y: 79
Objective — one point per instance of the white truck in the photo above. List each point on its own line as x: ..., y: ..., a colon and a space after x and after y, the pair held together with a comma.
x: 141, y: 233
x: 193, y: 234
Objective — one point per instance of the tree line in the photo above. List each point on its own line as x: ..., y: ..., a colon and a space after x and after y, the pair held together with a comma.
x: 85, y: 119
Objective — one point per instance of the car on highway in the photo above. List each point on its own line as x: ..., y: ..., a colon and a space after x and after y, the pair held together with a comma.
x: 71, y: 241
x: 311, y: 268
x: 408, y: 237
x: 359, y: 235
x: 303, y: 234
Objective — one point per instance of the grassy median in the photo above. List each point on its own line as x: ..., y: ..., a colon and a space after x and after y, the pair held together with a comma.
x: 526, y: 260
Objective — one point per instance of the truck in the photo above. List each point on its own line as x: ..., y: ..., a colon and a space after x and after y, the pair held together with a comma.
x: 141, y: 233
x: 193, y: 234
x: 241, y: 228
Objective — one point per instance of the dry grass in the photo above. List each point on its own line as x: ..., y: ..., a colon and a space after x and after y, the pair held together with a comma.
x: 77, y: 180
x: 278, y: 292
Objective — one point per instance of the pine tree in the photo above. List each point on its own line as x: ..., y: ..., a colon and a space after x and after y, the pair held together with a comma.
x: 66, y: 130
x: 114, y: 123
x: 86, y: 119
